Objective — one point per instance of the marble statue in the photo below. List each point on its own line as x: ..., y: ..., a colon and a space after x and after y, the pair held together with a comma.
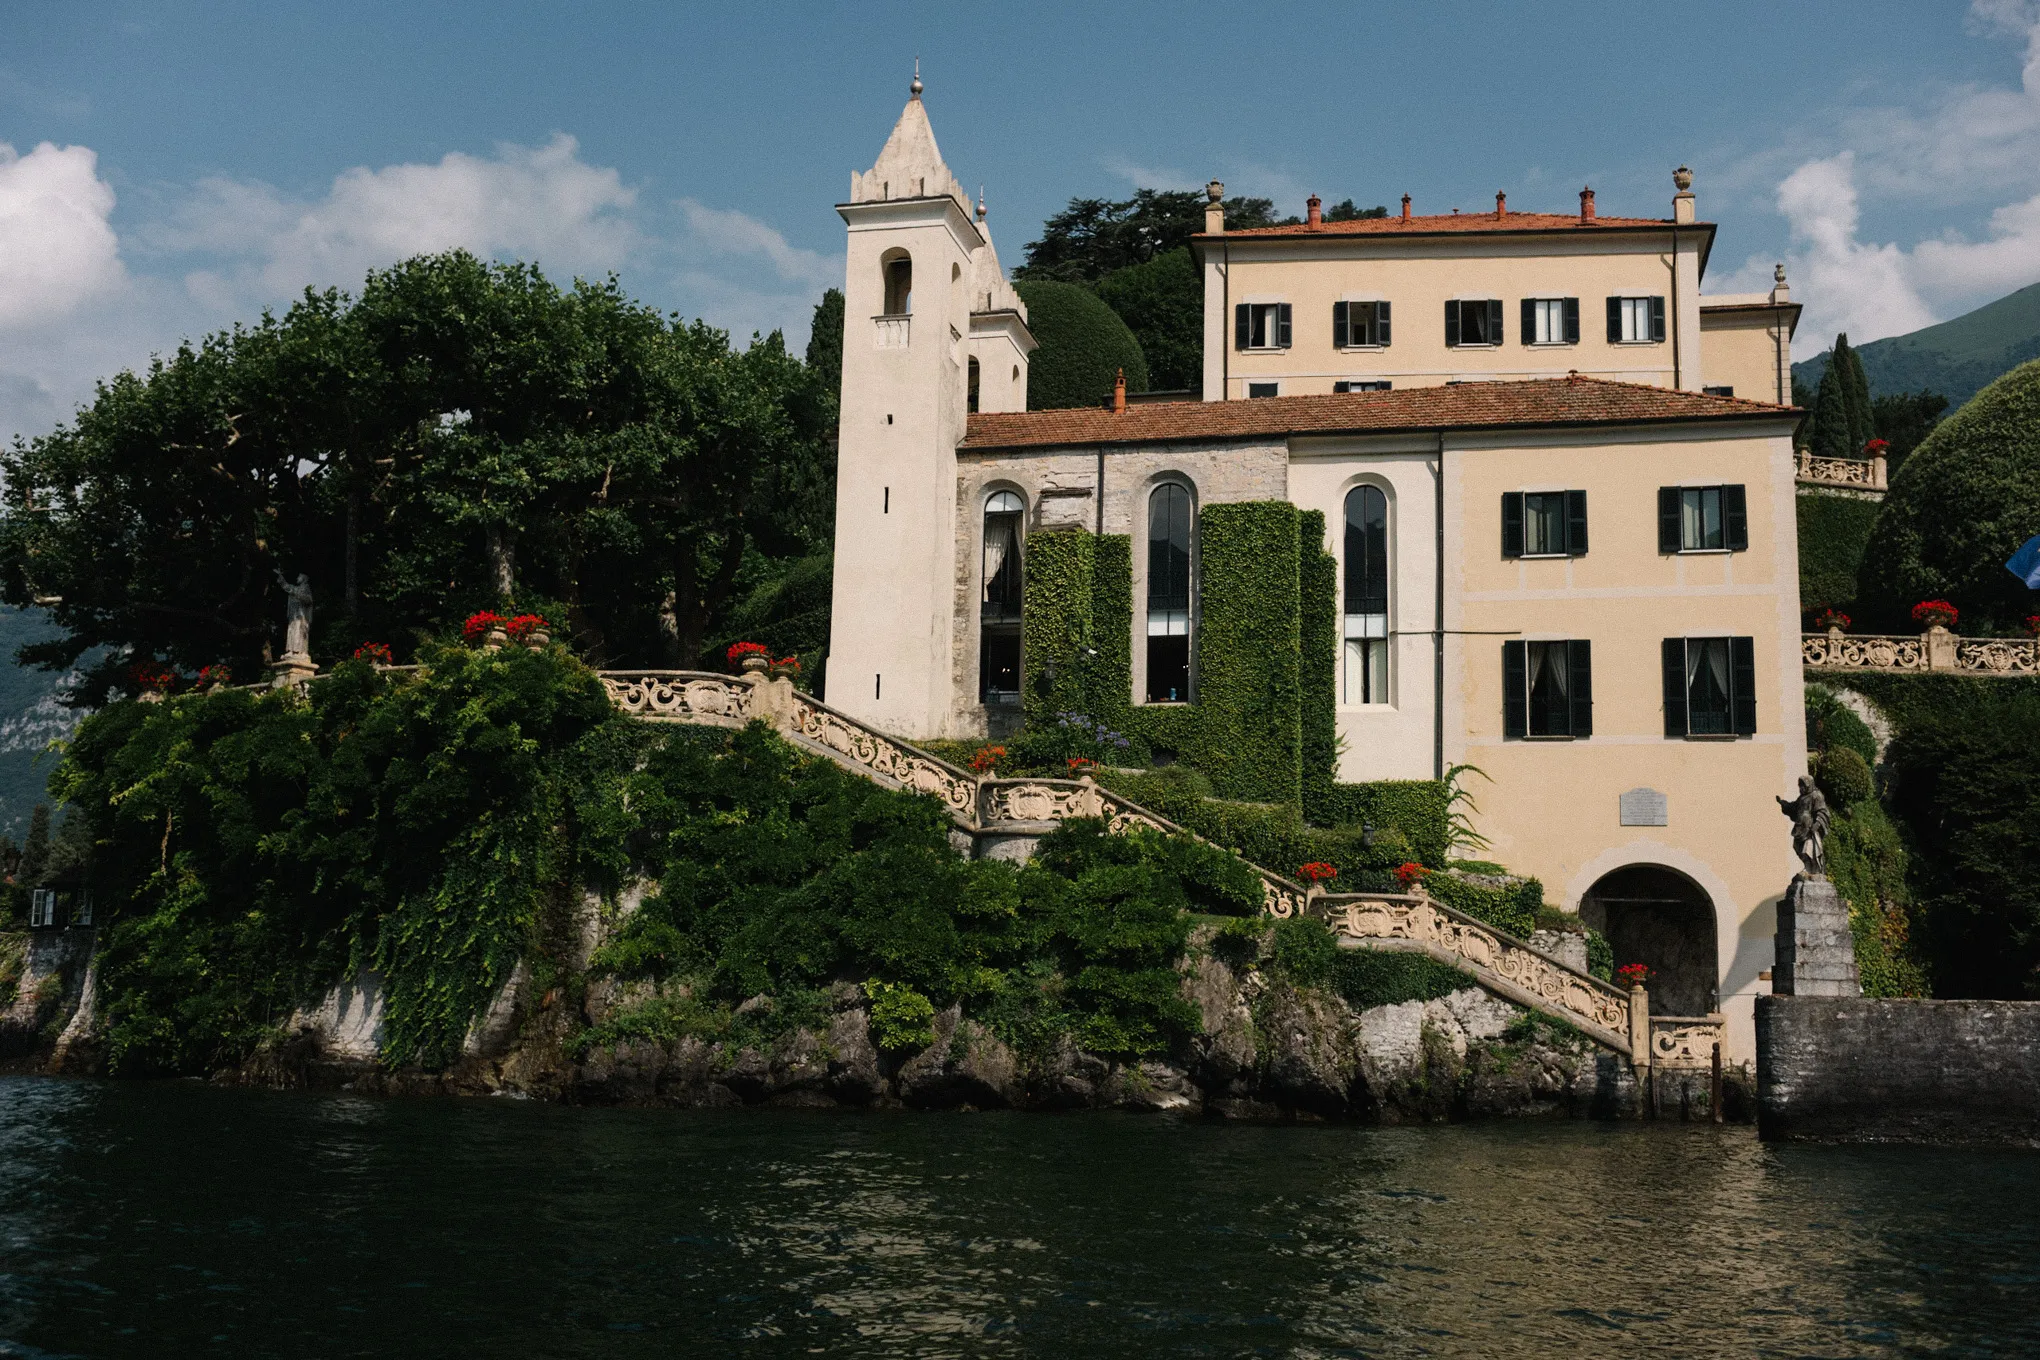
x: 1809, y: 814
x: 297, y: 634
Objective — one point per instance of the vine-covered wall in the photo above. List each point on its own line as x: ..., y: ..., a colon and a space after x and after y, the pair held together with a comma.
x: 1833, y: 532
x: 1249, y: 672
x: 1319, y: 632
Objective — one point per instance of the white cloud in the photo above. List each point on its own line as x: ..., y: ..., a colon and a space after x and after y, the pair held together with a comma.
x: 542, y: 203
x: 57, y: 250
x: 727, y: 231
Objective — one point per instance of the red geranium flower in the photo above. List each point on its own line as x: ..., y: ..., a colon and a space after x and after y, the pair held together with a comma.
x: 739, y: 650
x: 987, y: 758
x: 155, y: 678
x: 787, y: 663
x: 1317, y: 871
x: 1877, y: 446
x: 524, y: 625
x: 377, y: 652
x: 2033, y: 625
x: 215, y: 674
x: 1831, y: 618
x: 1079, y: 764
x: 1928, y: 613
x: 1407, y: 874
x: 479, y: 625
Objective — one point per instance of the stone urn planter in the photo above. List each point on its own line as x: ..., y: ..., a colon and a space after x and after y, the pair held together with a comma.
x: 495, y: 640
x: 538, y: 639
x: 756, y: 663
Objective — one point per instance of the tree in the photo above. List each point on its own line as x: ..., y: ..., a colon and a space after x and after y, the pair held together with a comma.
x: 825, y: 343
x: 1347, y: 212
x: 1094, y: 236
x: 1960, y: 506
x: 1856, y: 387
x: 1830, y: 438
x: 1903, y: 419
x: 35, y: 851
x: 1083, y: 346
x: 1162, y: 303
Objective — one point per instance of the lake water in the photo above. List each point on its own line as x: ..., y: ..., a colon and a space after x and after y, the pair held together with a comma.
x: 174, y: 1219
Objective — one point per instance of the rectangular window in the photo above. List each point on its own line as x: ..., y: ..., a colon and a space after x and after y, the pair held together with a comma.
x: 42, y: 907
x: 1710, y: 687
x: 1261, y: 325
x: 1366, y: 677
x: 1548, y: 689
x: 1636, y: 320
x: 81, y: 908
x: 1359, y: 324
x: 1475, y: 322
x: 1703, y: 519
x: 1544, y: 524
x: 1363, y: 385
x: 1724, y: 391
x: 1264, y: 389
x: 1551, y: 321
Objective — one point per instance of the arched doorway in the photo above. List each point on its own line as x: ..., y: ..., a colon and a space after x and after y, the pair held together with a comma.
x: 1659, y: 918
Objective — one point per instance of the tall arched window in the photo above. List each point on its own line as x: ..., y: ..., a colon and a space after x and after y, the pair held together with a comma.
x: 1168, y: 595
x: 899, y: 282
x: 999, y: 610
x: 1366, y: 671
x: 971, y: 386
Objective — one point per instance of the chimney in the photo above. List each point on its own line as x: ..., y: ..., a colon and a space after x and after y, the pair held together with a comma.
x: 1119, y: 394
x: 1682, y: 201
x: 1405, y: 207
x: 1587, y: 205
x: 1214, y: 209
x: 1501, y: 205
x: 1313, y: 211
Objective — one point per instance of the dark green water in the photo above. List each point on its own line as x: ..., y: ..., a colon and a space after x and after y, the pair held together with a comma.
x: 174, y: 1219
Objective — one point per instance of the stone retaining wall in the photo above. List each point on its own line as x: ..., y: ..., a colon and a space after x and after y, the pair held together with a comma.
x: 1863, y: 1069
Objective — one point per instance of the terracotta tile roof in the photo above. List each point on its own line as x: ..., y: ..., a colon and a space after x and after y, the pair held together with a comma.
x: 1472, y: 405
x: 1394, y: 225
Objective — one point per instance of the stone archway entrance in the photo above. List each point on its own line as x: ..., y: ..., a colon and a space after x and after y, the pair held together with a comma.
x: 1660, y: 918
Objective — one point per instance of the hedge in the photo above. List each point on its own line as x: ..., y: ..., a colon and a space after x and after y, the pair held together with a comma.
x: 1419, y: 808
x: 1083, y: 346
x: 1249, y: 687
x: 1319, y: 664
x: 1057, y: 628
x: 1271, y: 835
x: 1834, y: 531
x: 1511, y: 906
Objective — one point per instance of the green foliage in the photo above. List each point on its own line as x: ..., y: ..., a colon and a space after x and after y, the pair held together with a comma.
x: 900, y: 1016
x: 1305, y: 951
x: 1347, y: 210
x: 1958, y: 357
x: 1237, y: 943
x: 1962, y: 504
x: 1421, y: 809
x: 1162, y: 303
x: 250, y: 848
x: 461, y: 431
x: 1861, y: 423
x: 1248, y: 651
x: 1868, y: 863
x: 1511, y: 906
x: 1318, y: 634
x: 1056, y: 661
x: 1094, y: 237
x: 1365, y: 978
x: 825, y: 343
x: 1834, y: 531
x: 1084, y: 346
x: 786, y: 607
x: 1600, y: 956
x: 1109, y: 687
x: 1271, y: 835
x: 1830, y: 435
x: 1844, y: 777
x: 1831, y: 723
x: 1904, y: 420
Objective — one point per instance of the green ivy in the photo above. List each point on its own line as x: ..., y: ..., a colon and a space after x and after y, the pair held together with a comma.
x: 1056, y: 634
x: 1419, y: 808
x: 1512, y: 907
x: 1833, y: 533
x: 1249, y: 681
x: 1319, y: 637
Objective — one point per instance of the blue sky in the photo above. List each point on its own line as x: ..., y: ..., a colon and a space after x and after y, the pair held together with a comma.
x: 169, y: 168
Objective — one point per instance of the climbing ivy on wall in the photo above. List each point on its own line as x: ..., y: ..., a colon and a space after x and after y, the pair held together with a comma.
x: 1056, y: 630
x: 1318, y: 624
x: 1833, y: 532
x: 1419, y: 808
x: 1249, y: 678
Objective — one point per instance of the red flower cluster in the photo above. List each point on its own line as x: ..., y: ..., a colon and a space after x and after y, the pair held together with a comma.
x: 1633, y: 974
x: 1877, y: 446
x: 1928, y: 613
x: 377, y: 652
x: 987, y: 758
x: 2033, y: 625
x: 479, y: 626
x: 739, y: 650
x: 215, y: 674
x: 1080, y: 764
x: 1831, y: 618
x: 1409, y: 874
x: 1317, y: 871
x: 153, y: 677
x: 787, y: 663
x: 524, y: 625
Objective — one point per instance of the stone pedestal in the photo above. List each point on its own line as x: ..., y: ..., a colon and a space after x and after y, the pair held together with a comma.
x: 1816, y: 955
x: 294, y: 669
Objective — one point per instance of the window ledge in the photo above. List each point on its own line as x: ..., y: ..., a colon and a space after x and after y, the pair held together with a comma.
x: 1265, y: 349
x: 1543, y: 557
x: 1708, y: 552
x: 1362, y: 349
x: 1553, y: 344
x: 1714, y: 736
x: 1639, y: 342
x: 1165, y: 703
x: 1560, y: 736
x: 1366, y: 708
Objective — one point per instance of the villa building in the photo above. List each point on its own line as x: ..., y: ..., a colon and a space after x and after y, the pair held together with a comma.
x: 1546, y: 480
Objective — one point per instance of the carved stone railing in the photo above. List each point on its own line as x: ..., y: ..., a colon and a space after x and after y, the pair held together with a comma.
x: 1503, y: 964
x: 893, y: 332
x: 1937, y: 649
x: 1859, y: 474
x: 1685, y: 1043
x: 681, y: 696
x: 813, y: 723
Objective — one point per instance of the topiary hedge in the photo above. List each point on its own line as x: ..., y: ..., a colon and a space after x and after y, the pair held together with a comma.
x: 1056, y: 664
x: 1834, y: 532
x: 1083, y: 347
x: 1511, y: 905
x: 1961, y: 505
x: 1318, y: 632
x: 1249, y: 680
x: 1419, y: 808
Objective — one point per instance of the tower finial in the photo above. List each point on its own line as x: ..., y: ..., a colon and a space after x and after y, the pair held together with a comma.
x: 915, y: 88
x: 981, y: 203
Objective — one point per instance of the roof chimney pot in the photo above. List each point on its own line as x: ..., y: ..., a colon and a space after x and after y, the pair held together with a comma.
x: 1406, y: 207
x: 1119, y: 394
x: 1313, y: 210
x: 1214, y: 208
x: 1587, y: 204
x: 1501, y: 204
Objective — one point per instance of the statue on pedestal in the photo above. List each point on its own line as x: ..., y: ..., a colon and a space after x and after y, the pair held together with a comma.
x: 1810, y: 818
x: 297, y: 632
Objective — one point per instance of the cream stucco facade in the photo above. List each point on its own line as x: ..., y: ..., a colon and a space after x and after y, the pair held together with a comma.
x: 918, y: 475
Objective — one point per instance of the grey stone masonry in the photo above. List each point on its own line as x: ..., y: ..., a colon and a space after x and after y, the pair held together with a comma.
x: 1816, y: 955
x: 1872, y: 1070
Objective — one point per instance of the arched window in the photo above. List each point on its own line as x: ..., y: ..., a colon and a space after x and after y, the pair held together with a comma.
x: 999, y: 609
x: 1168, y: 595
x: 899, y: 283
x: 1366, y: 631
x: 971, y: 391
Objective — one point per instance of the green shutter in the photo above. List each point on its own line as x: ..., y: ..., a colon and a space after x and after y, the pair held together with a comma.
x: 1580, y: 671
x: 1381, y: 323
x: 1657, y: 318
x: 1572, y: 321
x: 1735, y: 518
x: 1529, y: 320
x: 1282, y: 325
x: 1340, y: 335
x: 1614, y: 320
x: 1242, y: 326
x: 1451, y: 324
x: 1515, y: 691
x: 1742, y: 671
x: 1675, y: 687
x: 1512, y: 524
x: 1668, y: 519
x: 1576, y: 523
x: 1494, y: 321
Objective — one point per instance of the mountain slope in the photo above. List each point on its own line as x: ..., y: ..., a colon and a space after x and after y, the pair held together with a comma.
x: 1955, y: 358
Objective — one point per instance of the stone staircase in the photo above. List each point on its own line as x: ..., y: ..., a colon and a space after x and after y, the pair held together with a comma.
x: 1004, y: 817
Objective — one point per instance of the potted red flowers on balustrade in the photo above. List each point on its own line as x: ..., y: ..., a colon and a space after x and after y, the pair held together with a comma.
x: 2033, y: 626
x: 1935, y: 614
x: 215, y: 676
x: 1317, y: 873
x: 1080, y: 765
x: 1633, y: 974
x: 375, y: 653
x: 486, y: 627
x: 1831, y: 621
x: 154, y: 680
x: 1410, y: 874
x: 986, y: 760
x: 786, y: 667
x: 749, y: 656
x: 529, y: 629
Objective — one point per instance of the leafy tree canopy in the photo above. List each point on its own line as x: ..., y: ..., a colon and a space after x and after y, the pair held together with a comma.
x: 1162, y: 303
x: 1083, y: 345
x: 1094, y: 236
x: 464, y: 434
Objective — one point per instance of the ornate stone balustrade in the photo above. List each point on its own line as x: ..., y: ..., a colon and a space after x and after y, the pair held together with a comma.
x: 1685, y: 1043
x: 681, y: 696
x: 893, y: 331
x: 1937, y: 649
x: 851, y: 743
x: 1502, y: 963
x: 1859, y: 474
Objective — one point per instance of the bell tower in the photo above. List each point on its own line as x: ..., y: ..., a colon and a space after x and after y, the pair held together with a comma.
x: 913, y: 267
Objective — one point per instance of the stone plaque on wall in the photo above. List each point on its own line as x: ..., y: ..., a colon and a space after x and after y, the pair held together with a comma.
x: 1644, y: 807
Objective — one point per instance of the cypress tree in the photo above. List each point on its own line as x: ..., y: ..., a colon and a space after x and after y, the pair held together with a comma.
x: 1856, y: 389
x: 1831, y: 414
x: 35, y: 853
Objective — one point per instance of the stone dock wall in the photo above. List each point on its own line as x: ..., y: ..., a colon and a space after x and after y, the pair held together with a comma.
x: 1864, y: 1069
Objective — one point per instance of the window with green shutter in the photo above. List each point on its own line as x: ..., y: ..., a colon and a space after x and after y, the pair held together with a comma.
x: 1548, y: 689
x: 1694, y: 519
x: 1710, y: 687
x: 1544, y: 524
